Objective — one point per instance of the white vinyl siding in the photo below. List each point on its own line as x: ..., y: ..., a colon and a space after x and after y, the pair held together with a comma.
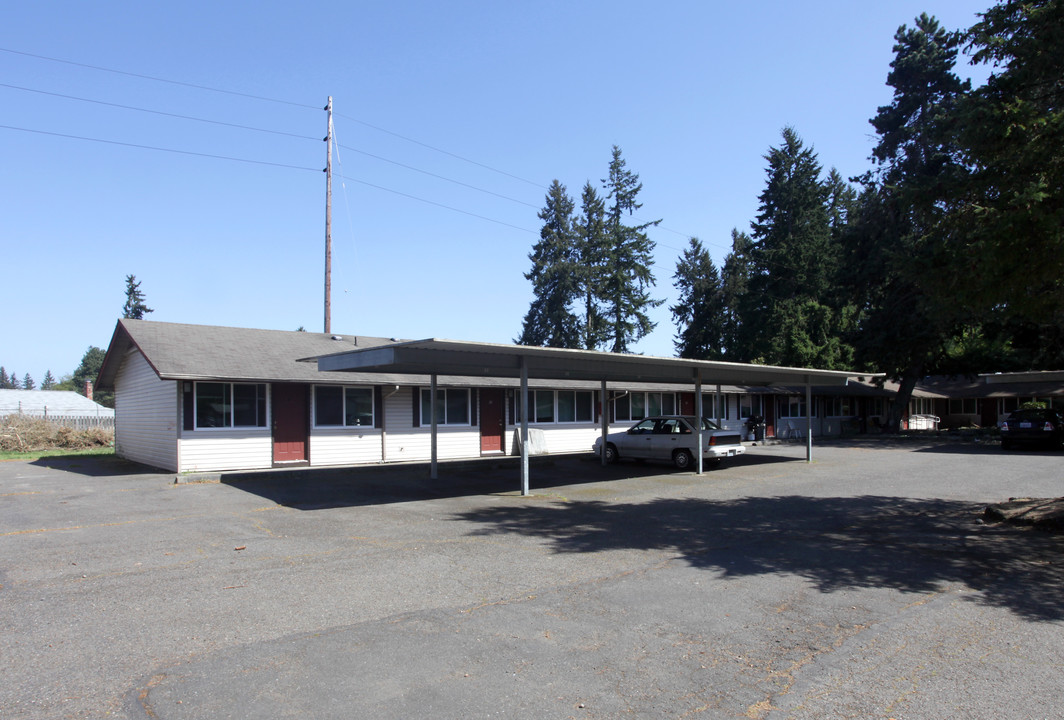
x: 341, y: 446
x: 405, y: 443
x: 146, y: 414
x: 239, y: 449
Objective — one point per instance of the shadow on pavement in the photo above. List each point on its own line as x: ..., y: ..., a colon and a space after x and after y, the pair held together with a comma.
x: 322, y: 488
x: 835, y: 543
x: 93, y: 465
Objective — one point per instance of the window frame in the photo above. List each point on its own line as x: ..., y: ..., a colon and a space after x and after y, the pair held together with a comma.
x: 789, y: 401
x: 230, y: 405
x: 443, y: 405
x: 344, y: 391
x: 645, y: 401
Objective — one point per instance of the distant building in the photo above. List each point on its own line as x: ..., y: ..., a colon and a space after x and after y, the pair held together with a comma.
x: 50, y: 403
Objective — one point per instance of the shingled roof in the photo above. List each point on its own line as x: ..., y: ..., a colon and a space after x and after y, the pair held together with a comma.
x: 50, y: 402
x: 207, y: 352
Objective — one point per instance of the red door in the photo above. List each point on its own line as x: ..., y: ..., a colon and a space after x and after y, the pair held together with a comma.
x: 492, y: 415
x: 290, y: 423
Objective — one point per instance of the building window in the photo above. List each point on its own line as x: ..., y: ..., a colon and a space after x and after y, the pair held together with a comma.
x: 749, y: 406
x: 710, y: 408
x: 793, y: 406
x: 230, y: 405
x: 575, y: 406
x: 839, y: 406
x: 962, y: 406
x: 639, y: 405
x: 922, y: 406
x: 452, y: 406
x: 336, y: 406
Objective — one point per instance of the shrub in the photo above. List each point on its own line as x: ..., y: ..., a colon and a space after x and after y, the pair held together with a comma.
x: 22, y: 433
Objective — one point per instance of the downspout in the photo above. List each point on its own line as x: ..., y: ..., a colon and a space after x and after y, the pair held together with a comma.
x: 433, y: 475
x: 524, y: 425
x: 384, y: 424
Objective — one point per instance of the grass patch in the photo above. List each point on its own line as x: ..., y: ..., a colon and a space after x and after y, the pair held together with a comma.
x: 31, y: 455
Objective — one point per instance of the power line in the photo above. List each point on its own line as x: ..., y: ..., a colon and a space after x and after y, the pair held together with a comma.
x: 439, y: 177
x: 441, y: 205
x: 158, y: 112
x: 159, y: 149
x: 444, y: 152
x: 159, y: 79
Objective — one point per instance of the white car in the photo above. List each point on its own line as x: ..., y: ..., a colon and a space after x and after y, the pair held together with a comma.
x: 671, y: 438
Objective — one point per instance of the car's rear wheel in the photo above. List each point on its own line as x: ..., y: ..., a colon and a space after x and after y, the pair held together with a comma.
x: 611, y: 453
x: 683, y: 459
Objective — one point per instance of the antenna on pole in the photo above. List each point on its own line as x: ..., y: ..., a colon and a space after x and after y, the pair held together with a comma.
x: 328, y: 220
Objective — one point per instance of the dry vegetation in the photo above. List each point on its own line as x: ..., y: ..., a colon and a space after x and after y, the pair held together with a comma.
x: 20, y: 433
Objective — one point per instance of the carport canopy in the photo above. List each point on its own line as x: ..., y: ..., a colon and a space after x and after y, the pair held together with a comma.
x: 435, y: 357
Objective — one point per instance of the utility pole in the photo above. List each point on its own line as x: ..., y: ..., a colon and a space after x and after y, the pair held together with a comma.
x: 328, y: 220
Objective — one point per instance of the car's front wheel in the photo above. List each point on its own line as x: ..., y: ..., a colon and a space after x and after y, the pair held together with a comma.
x: 683, y: 459
x: 611, y: 453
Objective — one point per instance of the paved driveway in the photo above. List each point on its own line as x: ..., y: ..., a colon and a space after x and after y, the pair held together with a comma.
x: 861, y: 586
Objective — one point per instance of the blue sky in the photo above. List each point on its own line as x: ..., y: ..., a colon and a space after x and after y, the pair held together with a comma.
x: 430, y: 99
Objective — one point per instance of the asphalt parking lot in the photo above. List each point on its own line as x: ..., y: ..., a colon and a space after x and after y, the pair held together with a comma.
x: 863, y: 585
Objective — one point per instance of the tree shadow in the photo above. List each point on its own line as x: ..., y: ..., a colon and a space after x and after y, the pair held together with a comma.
x: 835, y: 543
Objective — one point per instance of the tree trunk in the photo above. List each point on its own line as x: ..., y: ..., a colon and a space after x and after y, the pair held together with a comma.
x: 901, y: 399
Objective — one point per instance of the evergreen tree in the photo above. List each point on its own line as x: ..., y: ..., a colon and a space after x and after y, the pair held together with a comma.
x: 1007, y: 249
x: 735, y: 282
x: 795, y: 265
x: 4, y: 381
x: 904, y: 331
x: 91, y: 362
x: 550, y: 321
x: 134, y: 309
x: 625, y: 295
x: 699, y: 313
x: 592, y: 254
x: 49, y: 382
x: 13, y: 382
x: 28, y: 383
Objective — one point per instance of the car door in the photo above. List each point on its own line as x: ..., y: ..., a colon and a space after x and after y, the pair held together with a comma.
x: 668, y: 436
x: 637, y: 441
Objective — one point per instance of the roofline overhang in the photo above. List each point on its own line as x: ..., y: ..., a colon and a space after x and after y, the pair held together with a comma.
x: 434, y: 356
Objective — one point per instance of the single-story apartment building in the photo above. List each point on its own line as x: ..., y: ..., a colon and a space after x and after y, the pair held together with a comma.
x: 199, y: 398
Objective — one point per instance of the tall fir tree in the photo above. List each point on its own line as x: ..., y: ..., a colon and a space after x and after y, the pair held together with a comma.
x: 550, y: 320
x: 28, y: 382
x: 699, y: 312
x: 734, y: 284
x: 628, y: 276
x: 4, y: 380
x: 13, y: 382
x: 49, y: 381
x: 788, y: 311
x: 135, y: 308
x: 592, y: 255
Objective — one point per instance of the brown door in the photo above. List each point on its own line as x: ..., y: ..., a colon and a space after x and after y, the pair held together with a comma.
x: 290, y: 410
x: 492, y: 415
